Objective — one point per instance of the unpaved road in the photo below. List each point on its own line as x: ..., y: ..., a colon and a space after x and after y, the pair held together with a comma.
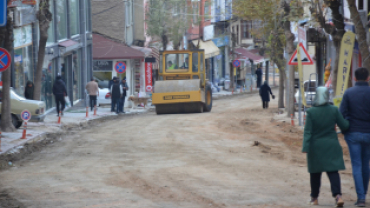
x: 188, y: 160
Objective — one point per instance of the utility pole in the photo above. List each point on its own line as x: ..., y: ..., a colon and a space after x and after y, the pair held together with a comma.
x: 233, y: 40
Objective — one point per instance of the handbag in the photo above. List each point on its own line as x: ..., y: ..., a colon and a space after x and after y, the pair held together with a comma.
x: 68, y: 102
x: 273, y: 96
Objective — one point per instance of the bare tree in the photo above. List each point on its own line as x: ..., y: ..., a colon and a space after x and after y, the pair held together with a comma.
x: 45, y: 17
x: 6, y: 40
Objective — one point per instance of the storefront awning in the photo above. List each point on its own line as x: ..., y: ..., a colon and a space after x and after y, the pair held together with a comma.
x: 245, y: 54
x: 68, y: 45
x: 105, y: 48
x: 210, y: 49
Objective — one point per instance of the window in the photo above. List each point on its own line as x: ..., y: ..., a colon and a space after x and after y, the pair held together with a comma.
x: 177, y: 63
x: 23, y: 68
x: 195, y: 62
x: 47, y: 82
x: 62, y: 19
x: 51, y: 37
x: 74, y: 17
x: 246, y: 29
x: 201, y: 62
x: 237, y: 34
x: 360, y: 4
x: 195, y: 12
x: 207, y: 11
x: 76, y: 74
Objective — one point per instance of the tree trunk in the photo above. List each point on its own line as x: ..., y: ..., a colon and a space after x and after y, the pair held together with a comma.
x: 360, y: 34
x: 44, y: 16
x: 281, y: 88
x: 7, y: 39
x: 289, y: 36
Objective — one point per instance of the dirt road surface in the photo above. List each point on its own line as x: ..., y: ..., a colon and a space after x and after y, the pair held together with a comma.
x: 238, y: 155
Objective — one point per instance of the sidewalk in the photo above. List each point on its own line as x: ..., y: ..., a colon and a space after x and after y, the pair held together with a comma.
x: 73, y: 117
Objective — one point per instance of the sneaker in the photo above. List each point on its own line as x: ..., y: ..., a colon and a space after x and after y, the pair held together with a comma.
x: 313, y: 201
x: 360, y: 203
x: 339, y: 201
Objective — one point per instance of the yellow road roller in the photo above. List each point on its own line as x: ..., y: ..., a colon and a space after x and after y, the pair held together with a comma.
x: 182, y: 86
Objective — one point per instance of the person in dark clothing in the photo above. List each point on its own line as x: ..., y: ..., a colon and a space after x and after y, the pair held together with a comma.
x: 355, y: 108
x: 28, y: 91
x: 259, y: 76
x: 116, y: 94
x: 59, y: 91
x: 111, y: 82
x: 47, y: 90
x: 265, y: 90
x: 124, y: 93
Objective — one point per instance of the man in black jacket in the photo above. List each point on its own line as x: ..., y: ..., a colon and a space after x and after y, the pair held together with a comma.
x: 59, y: 91
x: 124, y: 93
x: 116, y: 94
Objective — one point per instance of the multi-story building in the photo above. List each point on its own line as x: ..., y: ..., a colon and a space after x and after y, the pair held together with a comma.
x: 68, y: 48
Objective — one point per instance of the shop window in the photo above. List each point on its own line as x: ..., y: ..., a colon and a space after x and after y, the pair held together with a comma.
x: 74, y: 17
x: 48, y: 77
x: 23, y: 68
x: 51, y: 34
x: 62, y: 19
x: 76, y: 74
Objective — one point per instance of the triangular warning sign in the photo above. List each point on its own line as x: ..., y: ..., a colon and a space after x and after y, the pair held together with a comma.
x: 306, y: 59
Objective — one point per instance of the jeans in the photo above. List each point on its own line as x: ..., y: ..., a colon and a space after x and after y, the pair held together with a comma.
x: 315, y: 179
x: 122, y: 104
x: 59, y: 100
x: 359, y: 150
x: 115, y: 105
x: 92, y: 101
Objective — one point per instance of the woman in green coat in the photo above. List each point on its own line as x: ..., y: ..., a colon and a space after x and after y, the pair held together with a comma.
x: 324, y: 153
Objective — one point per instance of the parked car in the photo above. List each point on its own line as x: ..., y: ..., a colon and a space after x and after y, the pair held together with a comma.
x: 309, y: 91
x: 19, y: 103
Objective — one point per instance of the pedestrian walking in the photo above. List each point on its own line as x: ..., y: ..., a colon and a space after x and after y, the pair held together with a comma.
x: 59, y: 91
x: 116, y: 94
x: 355, y: 107
x: 259, y: 76
x: 124, y: 94
x: 92, y: 89
x: 320, y: 142
x: 28, y: 91
x: 265, y: 92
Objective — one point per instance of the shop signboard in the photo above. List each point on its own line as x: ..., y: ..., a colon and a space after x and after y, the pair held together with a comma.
x: 14, y: 3
x: 148, y: 77
x: 221, y: 41
x: 3, y: 13
x: 102, y: 65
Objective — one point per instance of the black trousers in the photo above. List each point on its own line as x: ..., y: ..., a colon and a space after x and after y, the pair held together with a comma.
x: 59, y: 100
x: 92, y: 101
x: 315, y: 179
x: 265, y: 104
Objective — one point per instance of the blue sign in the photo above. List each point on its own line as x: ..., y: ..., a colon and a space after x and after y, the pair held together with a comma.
x: 26, y: 115
x: 221, y: 41
x: 236, y: 63
x: 3, y: 13
x: 120, y: 67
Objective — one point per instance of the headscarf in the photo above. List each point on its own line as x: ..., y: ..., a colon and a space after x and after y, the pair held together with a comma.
x: 322, y: 96
x: 265, y: 82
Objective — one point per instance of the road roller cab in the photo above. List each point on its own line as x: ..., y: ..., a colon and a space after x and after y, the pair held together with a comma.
x: 182, y: 86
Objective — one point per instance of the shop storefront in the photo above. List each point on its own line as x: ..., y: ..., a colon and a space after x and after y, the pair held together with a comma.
x: 23, y: 58
x: 220, y: 61
x: 110, y: 56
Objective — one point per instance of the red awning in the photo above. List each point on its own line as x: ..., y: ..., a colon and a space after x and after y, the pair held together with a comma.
x: 245, y: 54
x: 104, y: 48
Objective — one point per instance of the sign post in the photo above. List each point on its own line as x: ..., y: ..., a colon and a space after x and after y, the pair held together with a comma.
x: 26, y: 116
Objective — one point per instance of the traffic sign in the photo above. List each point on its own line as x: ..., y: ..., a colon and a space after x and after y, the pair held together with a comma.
x: 3, y: 13
x: 26, y: 115
x: 305, y: 57
x: 236, y: 63
x: 5, y: 59
x: 120, y: 67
